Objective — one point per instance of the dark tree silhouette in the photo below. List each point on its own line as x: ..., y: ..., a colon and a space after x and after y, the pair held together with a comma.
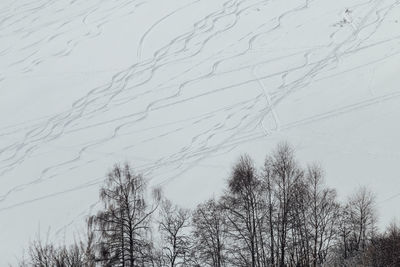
x: 173, y: 225
x: 282, y: 215
x: 124, y: 223
x: 209, y: 234
x: 244, y: 212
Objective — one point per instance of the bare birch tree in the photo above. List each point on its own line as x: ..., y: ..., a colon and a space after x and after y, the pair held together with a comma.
x: 124, y: 222
x: 209, y: 234
x: 173, y: 226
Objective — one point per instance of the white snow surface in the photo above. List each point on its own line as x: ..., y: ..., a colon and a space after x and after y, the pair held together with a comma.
x: 180, y: 88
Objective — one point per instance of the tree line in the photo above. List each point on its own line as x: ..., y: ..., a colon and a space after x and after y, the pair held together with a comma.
x: 282, y: 214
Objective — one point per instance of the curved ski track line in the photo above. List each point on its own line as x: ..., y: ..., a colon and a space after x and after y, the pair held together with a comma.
x: 319, y: 66
x: 75, y: 106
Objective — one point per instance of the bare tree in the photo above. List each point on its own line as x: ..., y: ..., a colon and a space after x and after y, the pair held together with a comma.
x: 173, y: 226
x: 363, y: 216
x: 384, y: 249
x: 299, y: 234
x: 268, y: 187
x: 209, y: 233
x: 359, y: 219
x: 40, y: 254
x: 286, y: 175
x: 357, y: 227
x: 48, y: 255
x: 124, y: 222
x: 244, y: 212
x: 324, y: 215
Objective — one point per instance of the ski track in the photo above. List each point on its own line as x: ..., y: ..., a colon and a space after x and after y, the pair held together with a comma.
x: 85, y: 102
x: 180, y: 88
x: 29, y: 17
x: 232, y: 124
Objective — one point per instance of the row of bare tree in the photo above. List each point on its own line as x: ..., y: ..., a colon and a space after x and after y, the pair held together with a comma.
x: 279, y: 215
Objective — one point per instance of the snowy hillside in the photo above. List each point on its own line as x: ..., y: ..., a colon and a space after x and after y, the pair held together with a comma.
x: 180, y: 88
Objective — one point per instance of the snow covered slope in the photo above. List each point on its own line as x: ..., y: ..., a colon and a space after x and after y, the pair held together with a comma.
x: 180, y: 88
